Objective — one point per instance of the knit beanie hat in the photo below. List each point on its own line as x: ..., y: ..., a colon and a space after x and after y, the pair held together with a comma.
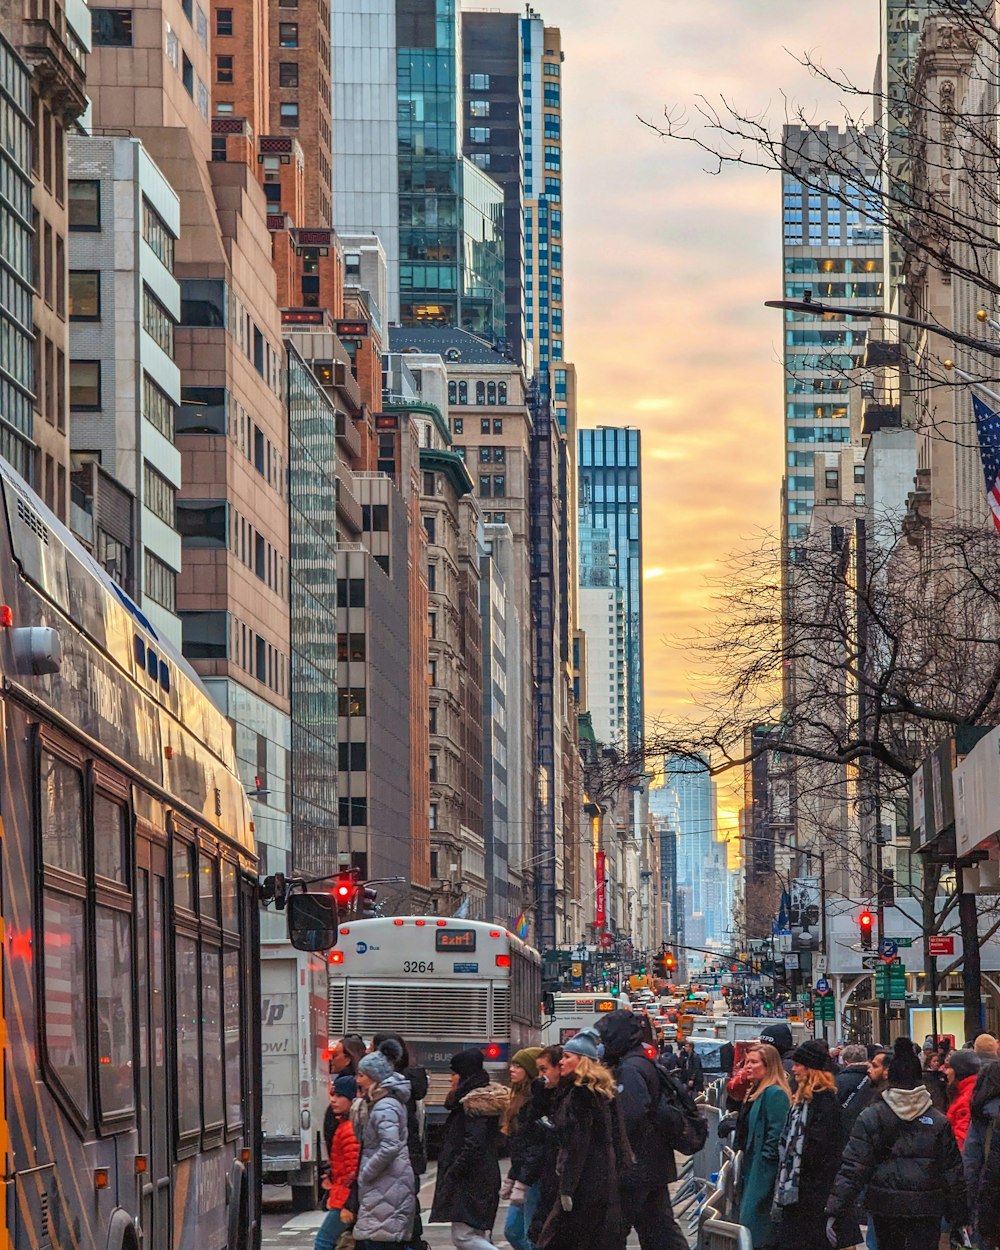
x: 586, y: 1043
x: 528, y: 1060
x: 346, y: 1087
x: 904, y: 1066
x: 376, y: 1066
x: 813, y: 1054
x: 467, y: 1062
x: 985, y: 1046
x: 963, y: 1063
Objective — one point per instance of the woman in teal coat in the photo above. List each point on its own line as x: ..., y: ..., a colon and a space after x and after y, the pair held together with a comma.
x: 768, y: 1108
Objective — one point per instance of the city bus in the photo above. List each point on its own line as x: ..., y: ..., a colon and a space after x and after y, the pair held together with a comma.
x: 573, y: 1012
x: 129, y: 1016
x: 443, y: 985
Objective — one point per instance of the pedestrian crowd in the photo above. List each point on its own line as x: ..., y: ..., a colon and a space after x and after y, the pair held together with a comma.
x: 582, y: 1144
x: 586, y: 1131
x: 900, y: 1140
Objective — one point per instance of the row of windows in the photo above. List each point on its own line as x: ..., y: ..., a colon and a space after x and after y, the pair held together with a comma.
x: 491, y: 393
x: 821, y: 289
x: 158, y: 235
x: 157, y: 322
x: 817, y: 412
x: 159, y: 581
x: 831, y: 264
x: 487, y: 425
x: 492, y: 484
x: 158, y: 494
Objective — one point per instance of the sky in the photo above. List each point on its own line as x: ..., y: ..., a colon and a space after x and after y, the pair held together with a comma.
x: 667, y: 270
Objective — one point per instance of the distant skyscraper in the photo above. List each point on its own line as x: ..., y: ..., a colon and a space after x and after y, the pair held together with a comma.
x: 691, y: 792
x: 610, y: 499
x: 832, y: 247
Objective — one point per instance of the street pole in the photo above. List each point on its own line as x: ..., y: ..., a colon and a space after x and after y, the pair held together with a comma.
x: 934, y: 1002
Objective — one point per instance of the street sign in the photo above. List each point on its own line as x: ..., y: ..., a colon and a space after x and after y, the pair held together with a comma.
x: 819, y: 965
x: 939, y: 944
x: 897, y: 1004
x: 887, y: 949
x: 903, y: 942
x: 822, y: 986
x: 792, y: 962
x: 870, y: 962
x: 890, y: 982
x: 824, y: 1008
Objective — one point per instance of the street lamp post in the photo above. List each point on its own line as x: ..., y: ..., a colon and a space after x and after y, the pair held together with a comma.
x: 815, y: 308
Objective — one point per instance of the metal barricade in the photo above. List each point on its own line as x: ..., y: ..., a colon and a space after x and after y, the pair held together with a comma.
x: 716, y: 1234
x: 708, y: 1160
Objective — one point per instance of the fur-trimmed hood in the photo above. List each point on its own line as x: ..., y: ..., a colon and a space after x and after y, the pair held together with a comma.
x: 489, y: 1099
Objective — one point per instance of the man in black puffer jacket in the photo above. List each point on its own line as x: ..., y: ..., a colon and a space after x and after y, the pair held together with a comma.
x: 644, y: 1193
x: 903, y: 1153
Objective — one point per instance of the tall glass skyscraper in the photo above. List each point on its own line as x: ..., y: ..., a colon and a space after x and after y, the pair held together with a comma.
x: 610, y: 499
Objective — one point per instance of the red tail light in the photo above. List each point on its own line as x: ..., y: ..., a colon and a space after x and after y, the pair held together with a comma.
x: 492, y: 1051
x: 503, y: 961
x: 336, y: 957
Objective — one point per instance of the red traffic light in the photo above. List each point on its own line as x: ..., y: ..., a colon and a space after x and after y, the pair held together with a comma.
x: 866, y: 920
x: 343, y: 891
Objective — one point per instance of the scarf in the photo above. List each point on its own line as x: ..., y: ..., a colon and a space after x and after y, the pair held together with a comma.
x: 793, y: 1139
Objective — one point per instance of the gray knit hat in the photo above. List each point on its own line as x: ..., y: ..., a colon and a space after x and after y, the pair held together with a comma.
x: 376, y: 1066
x: 587, y: 1043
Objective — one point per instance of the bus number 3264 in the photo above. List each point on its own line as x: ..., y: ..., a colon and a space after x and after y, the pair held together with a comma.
x: 418, y: 965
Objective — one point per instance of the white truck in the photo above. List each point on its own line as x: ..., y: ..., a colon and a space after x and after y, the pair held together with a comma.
x: 294, y: 1069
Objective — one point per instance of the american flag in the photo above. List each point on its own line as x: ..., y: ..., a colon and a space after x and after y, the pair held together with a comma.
x: 988, y: 429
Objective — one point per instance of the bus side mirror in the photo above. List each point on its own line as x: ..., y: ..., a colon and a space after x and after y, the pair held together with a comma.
x: 549, y: 1004
x: 312, y: 921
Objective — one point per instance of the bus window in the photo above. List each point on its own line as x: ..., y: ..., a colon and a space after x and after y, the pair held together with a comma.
x: 110, y: 833
x: 62, y: 815
x: 211, y: 1038
x: 187, y: 1048
x: 230, y: 914
x: 65, y: 988
x: 183, y: 874
x: 232, y: 1026
x: 113, y: 931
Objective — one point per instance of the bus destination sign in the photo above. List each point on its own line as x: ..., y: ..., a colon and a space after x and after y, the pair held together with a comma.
x: 463, y: 940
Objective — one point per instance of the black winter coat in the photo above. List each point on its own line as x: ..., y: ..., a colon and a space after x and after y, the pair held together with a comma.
x: 592, y: 1149
x: 988, y: 1210
x: 692, y: 1072
x: 803, y: 1224
x: 548, y: 1180
x: 909, y: 1162
x: 414, y: 1142
x: 853, y: 1092
x: 526, y: 1136
x: 468, y: 1176
x: 638, y: 1093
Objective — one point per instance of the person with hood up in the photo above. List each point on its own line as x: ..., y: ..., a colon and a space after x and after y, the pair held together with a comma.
x: 812, y: 1142
x: 344, y: 1152
x: 903, y: 1154
x: 645, y: 1197
x: 467, y: 1192
x: 981, y: 1153
x: 415, y: 1145
x: 779, y: 1035
x: 525, y: 1143
x: 386, y: 1197
x: 767, y: 1108
x: 593, y: 1152
x: 961, y: 1070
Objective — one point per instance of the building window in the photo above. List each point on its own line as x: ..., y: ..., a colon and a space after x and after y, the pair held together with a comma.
x: 481, y: 159
x: 288, y: 74
x: 288, y: 34
x: 111, y: 28
x: 430, y: 529
x: 434, y: 768
x: 289, y: 113
x: 223, y: 21
x: 479, y: 82
x: 432, y: 816
x: 479, y: 134
x: 160, y: 582
x: 502, y: 393
x: 498, y: 425
x: 859, y: 473
x: 553, y: 158
x: 84, y: 204
x: 491, y: 394
x: 479, y: 108
x: 157, y: 235
x: 480, y: 392
x: 157, y: 407
x: 432, y: 577
x: 458, y: 425
x: 187, y: 74
x: 484, y: 487
x: 159, y: 495
x: 484, y: 425
x: 84, y: 295
x: 499, y: 484
x: 463, y: 392
x: 432, y: 720
x: 204, y: 302
x: 157, y: 322
x: 202, y: 522
x: 832, y: 479
x: 85, y: 385
x: 224, y: 69
x: 219, y: 152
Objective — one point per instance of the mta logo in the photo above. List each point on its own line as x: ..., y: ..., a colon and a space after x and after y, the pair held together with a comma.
x: 362, y: 947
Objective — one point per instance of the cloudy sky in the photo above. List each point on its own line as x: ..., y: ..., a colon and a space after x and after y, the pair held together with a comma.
x: 668, y: 267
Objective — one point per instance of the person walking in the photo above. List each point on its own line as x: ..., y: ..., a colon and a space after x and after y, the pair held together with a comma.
x: 768, y: 1102
x: 592, y: 1152
x: 812, y: 1142
x: 386, y: 1198
x: 645, y: 1196
x: 555, y: 1086
x: 344, y: 1152
x: 779, y: 1035
x: 982, y: 1138
x: 986, y: 1047
x: 902, y: 1153
x: 344, y: 1059
x: 526, y: 1143
x: 961, y: 1070
x: 692, y: 1073
x: 416, y: 1146
x: 467, y: 1192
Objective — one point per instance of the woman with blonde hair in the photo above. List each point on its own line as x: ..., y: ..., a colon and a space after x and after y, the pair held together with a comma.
x: 768, y: 1102
x: 812, y: 1143
x: 593, y: 1150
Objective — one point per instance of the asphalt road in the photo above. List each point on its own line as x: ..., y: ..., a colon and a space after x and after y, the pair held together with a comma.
x: 285, y: 1231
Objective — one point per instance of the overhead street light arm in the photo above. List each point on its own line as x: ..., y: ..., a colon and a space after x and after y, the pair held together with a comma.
x: 814, y: 308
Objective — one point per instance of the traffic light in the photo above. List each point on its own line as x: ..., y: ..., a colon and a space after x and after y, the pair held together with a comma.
x: 865, y: 923
x: 344, y: 889
x: 368, y: 898
x: 669, y: 961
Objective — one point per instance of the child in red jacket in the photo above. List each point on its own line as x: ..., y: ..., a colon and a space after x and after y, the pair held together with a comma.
x: 344, y: 1152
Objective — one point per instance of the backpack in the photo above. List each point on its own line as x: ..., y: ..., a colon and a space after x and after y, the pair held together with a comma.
x: 676, y: 1119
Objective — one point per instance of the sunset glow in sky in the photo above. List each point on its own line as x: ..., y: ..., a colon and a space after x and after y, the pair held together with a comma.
x: 668, y: 267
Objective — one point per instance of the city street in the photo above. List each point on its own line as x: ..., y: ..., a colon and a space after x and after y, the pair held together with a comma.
x: 285, y: 1231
